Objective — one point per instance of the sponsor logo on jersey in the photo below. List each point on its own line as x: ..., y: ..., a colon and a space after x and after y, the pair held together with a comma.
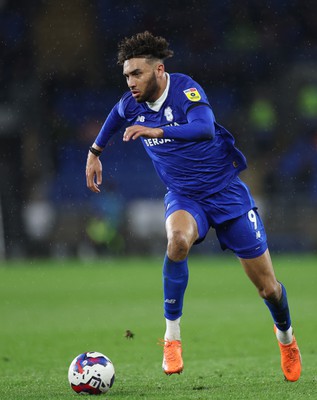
x: 192, y: 94
x: 156, y: 141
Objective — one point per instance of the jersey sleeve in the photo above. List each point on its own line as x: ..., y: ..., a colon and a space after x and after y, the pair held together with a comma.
x: 200, y: 125
x: 113, y: 124
x: 190, y: 94
x: 194, y: 105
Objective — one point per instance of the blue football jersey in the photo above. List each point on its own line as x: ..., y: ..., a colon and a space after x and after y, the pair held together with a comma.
x: 195, y: 169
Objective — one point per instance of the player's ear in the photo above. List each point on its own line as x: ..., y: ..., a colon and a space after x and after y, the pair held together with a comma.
x: 160, y: 69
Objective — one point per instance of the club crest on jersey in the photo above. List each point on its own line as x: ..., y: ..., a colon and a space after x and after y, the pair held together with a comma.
x: 192, y: 94
x: 168, y: 114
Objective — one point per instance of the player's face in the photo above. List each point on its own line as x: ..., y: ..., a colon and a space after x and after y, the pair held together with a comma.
x: 144, y: 78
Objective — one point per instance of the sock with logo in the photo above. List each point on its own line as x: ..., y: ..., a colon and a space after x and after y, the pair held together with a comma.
x: 175, y: 279
x: 280, y: 311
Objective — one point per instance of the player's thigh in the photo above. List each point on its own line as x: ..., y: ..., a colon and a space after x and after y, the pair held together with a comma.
x: 182, y: 222
x: 244, y: 235
x: 261, y: 273
x: 185, y: 215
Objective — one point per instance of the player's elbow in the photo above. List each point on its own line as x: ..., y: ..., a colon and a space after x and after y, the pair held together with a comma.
x: 203, y: 122
x: 207, y: 130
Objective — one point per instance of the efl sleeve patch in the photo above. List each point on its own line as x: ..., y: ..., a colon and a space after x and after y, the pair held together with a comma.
x: 192, y: 94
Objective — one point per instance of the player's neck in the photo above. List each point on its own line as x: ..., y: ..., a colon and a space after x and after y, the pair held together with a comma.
x: 163, y: 85
x: 156, y: 105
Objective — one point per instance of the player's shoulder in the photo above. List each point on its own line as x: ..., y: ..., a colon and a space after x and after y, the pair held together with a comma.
x: 180, y: 79
x: 128, y: 107
x: 126, y: 98
x: 185, y: 86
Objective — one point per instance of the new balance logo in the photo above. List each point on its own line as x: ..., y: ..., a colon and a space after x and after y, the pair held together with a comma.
x: 170, y: 301
x: 140, y: 118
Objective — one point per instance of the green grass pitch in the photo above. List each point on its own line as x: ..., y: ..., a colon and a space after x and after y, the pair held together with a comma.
x: 51, y: 311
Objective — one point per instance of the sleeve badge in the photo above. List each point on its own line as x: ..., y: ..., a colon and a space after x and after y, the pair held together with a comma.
x: 192, y: 94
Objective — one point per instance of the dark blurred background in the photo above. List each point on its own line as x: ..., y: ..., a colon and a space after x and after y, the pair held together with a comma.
x: 257, y: 62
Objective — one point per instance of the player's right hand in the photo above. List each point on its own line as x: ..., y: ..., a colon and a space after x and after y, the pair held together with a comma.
x: 93, y: 173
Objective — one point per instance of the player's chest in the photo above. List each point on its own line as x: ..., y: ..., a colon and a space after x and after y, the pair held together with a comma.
x: 167, y: 115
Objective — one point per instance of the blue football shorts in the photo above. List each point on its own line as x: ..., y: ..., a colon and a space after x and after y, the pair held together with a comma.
x: 231, y: 212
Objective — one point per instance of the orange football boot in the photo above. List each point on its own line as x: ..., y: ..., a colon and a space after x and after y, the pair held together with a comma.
x: 172, y: 359
x: 291, y: 360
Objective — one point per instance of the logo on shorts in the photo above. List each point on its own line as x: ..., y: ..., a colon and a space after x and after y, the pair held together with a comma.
x: 192, y: 94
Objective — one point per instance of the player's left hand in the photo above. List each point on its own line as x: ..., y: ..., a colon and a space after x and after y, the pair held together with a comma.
x: 93, y: 173
x: 135, y: 131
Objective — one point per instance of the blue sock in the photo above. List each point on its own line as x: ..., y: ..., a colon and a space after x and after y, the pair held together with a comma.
x: 280, y: 312
x: 175, y: 279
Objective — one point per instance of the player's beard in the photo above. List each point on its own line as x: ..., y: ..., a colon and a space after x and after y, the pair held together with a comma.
x: 151, y: 91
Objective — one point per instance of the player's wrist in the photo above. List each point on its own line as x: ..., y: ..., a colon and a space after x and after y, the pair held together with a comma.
x: 95, y: 151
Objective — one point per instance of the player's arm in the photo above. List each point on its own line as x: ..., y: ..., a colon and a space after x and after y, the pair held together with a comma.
x: 112, y: 124
x: 135, y: 131
x: 200, y: 126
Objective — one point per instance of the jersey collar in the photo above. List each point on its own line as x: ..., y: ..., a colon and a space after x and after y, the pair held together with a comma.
x: 157, y: 104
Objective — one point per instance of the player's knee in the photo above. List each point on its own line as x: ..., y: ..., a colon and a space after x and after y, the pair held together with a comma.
x: 178, y: 246
x: 271, y: 293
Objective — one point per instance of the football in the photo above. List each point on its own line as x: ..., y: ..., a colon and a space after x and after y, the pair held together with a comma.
x: 91, y: 373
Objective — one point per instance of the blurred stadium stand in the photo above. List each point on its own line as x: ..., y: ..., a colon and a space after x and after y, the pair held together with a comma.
x: 59, y: 79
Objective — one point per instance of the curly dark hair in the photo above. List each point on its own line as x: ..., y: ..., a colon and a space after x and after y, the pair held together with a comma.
x: 143, y: 45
